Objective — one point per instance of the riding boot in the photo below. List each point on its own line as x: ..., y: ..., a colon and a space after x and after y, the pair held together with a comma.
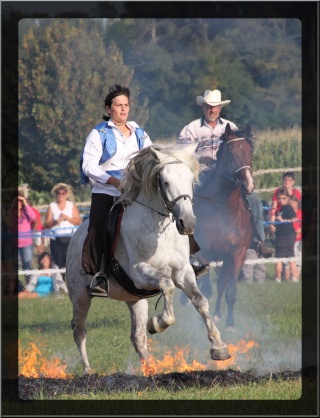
x: 261, y: 249
x: 99, y: 284
x: 200, y: 271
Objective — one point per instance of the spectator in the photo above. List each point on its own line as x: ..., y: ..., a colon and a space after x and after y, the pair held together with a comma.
x: 37, y: 226
x: 294, y: 202
x: 11, y: 285
x: 19, y: 221
x: 288, y: 180
x: 61, y: 217
x: 46, y: 283
x: 285, y: 233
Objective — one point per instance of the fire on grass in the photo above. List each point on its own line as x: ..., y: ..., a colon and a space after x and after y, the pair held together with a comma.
x: 32, y: 364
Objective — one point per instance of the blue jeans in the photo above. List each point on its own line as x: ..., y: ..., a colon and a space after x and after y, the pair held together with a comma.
x: 25, y: 255
x: 255, y: 205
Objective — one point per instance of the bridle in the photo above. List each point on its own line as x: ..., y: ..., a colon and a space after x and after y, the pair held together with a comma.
x: 168, y: 204
x: 233, y: 173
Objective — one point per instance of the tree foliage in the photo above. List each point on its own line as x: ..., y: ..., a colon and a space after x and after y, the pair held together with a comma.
x: 64, y: 75
x: 66, y: 67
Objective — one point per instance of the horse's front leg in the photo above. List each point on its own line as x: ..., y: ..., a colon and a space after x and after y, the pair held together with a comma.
x: 231, y: 290
x: 219, y: 350
x: 222, y: 283
x: 144, y: 275
x: 139, y: 316
x: 81, y: 308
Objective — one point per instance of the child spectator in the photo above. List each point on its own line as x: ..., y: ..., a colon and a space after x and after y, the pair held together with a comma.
x: 45, y: 283
x: 285, y: 233
x: 294, y: 202
x: 288, y: 180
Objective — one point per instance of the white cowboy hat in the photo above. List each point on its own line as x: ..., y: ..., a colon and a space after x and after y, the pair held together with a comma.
x: 212, y: 98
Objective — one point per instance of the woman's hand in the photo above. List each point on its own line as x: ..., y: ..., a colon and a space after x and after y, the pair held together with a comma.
x: 114, y: 182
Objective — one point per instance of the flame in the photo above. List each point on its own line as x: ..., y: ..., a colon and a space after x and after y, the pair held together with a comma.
x: 170, y: 363
x: 31, y: 364
x: 178, y: 362
x: 241, y: 347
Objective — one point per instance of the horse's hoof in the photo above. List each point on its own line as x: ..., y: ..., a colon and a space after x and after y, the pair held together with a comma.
x: 220, y: 353
x: 152, y: 326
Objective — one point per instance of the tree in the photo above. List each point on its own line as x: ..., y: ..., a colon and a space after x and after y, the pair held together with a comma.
x: 64, y: 75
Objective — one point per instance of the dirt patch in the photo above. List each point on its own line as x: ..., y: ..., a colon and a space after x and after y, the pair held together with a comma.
x: 29, y: 388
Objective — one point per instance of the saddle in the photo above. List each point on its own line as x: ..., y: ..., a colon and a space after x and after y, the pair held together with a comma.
x: 112, y: 267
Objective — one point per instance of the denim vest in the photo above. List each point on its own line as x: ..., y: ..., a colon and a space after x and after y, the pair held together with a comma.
x: 109, y: 147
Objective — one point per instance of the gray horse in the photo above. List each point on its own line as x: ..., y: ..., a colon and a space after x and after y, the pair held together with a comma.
x: 152, y: 248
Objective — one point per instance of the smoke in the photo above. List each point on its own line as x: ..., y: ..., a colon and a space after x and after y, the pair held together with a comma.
x: 271, y: 353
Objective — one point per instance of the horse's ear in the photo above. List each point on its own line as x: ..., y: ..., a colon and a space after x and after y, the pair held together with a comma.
x: 248, y: 130
x: 228, y: 130
x: 159, y: 155
x: 190, y: 149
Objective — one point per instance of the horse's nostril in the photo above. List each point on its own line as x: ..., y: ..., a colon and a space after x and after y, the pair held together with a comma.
x: 181, y: 223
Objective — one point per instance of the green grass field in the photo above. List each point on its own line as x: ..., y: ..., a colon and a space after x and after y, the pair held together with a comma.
x: 268, y: 314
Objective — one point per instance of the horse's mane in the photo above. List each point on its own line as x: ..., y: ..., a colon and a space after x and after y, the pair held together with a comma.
x: 141, y: 171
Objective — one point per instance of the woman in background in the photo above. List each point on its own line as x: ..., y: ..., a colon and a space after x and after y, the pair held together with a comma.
x: 61, y: 217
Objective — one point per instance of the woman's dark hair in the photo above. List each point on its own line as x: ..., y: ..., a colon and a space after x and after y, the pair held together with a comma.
x: 115, y: 91
x: 42, y: 255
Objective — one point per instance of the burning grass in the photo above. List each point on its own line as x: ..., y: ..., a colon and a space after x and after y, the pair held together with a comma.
x: 172, y: 372
x: 29, y: 388
x: 32, y: 364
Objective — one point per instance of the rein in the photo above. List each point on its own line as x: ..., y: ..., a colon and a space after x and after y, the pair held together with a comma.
x: 223, y: 204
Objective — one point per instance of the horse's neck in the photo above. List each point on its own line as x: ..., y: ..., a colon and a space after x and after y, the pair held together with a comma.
x: 224, y: 186
x: 155, y: 202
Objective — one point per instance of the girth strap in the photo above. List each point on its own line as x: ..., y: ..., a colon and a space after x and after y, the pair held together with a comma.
x: 112, y: 265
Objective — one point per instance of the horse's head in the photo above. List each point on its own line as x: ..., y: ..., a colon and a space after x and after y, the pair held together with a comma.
x: 177, y: 171
x: 234, y: 157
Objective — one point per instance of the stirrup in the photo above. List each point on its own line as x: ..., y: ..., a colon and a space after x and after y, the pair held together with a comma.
x: 99, y: 294
x: 104, y: 277
x: 204, y: 268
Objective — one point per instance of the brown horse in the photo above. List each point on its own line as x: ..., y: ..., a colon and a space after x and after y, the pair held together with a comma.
x: 223, y: 227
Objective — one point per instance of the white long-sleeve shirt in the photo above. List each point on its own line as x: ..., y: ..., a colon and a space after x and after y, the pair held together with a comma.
x: 208, y: 138
x: 93, y: 152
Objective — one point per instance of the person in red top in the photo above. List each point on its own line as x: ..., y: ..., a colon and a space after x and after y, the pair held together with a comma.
x: 288, y: 179
x: 294, y: 202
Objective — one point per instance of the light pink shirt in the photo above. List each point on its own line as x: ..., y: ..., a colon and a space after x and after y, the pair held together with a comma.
x: 24, y: 225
